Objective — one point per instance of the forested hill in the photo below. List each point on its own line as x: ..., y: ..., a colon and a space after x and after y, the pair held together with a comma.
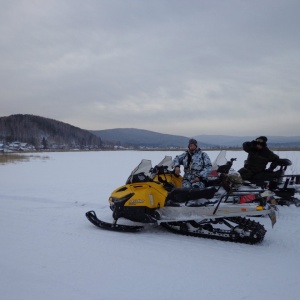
x: 132, y: 137
x: 144, y: 138
x: 46, y: 133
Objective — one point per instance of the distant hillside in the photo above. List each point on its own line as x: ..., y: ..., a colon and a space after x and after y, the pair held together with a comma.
x: 46, y: 133
x: 131, y: 137
x: 237, y: 141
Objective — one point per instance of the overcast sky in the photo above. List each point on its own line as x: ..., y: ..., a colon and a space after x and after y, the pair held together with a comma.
x: 183, y: 67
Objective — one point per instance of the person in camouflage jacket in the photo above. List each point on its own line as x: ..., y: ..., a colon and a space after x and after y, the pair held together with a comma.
x: 197, y: 166
x: 259, y: 155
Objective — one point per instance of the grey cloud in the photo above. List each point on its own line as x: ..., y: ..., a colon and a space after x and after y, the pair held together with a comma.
x: 157, y: 65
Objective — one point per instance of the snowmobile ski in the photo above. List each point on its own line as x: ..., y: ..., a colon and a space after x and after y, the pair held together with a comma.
x: 92, y: 217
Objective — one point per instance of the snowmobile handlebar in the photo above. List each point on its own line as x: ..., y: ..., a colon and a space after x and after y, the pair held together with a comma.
x: 225, y: 168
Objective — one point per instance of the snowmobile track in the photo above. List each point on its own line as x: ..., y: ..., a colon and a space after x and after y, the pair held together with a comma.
x: 255, y: 232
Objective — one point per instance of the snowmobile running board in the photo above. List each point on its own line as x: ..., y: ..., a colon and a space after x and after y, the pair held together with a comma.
x: 92, y: 217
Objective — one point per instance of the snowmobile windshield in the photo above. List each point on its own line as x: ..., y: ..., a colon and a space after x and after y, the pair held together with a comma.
x: 220, y: 160
x: 166, y: 162
x: 144, y: 167
x: 141, y: 172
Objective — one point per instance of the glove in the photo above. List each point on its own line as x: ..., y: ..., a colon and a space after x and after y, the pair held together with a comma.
x: 200, y: 179
x: 177, y: 171
x: 253, y: 143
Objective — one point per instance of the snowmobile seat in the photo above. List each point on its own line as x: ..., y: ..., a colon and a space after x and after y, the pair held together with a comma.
x: 283, y: 163
x: 181, y: 195
x: 213, y: 182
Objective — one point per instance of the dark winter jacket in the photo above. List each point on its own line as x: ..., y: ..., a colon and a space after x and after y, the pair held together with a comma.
x: 258, y: 159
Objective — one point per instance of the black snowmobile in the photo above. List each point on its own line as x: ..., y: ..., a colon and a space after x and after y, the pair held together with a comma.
x: 276, y: 187
x: 284, y: 187
x: 154, y: 195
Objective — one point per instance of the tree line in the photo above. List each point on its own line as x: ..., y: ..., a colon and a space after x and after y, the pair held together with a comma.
x: 46, y: 133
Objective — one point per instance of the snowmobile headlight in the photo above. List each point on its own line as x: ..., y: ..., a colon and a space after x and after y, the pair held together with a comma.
x: 123, y: 199
x: 259, y: 207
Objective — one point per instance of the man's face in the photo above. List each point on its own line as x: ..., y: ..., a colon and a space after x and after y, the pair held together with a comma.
x: 258, y: 146
x: 192, y: 148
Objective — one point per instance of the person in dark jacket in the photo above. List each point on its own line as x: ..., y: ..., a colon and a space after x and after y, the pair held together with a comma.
x: 197, y: 166
x: 259, y: 155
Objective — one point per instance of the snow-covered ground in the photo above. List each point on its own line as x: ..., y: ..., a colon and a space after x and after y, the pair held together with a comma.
x: 49, y: 250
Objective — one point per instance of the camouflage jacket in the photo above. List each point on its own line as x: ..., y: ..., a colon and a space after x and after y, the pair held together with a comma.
x: 195, y: 164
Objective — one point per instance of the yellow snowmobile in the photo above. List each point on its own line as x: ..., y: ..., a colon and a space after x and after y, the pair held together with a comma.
x: 154, y: 195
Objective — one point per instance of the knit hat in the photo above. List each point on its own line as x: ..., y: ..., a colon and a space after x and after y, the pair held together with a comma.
x: 194, y: 142
x: 262, y: 140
